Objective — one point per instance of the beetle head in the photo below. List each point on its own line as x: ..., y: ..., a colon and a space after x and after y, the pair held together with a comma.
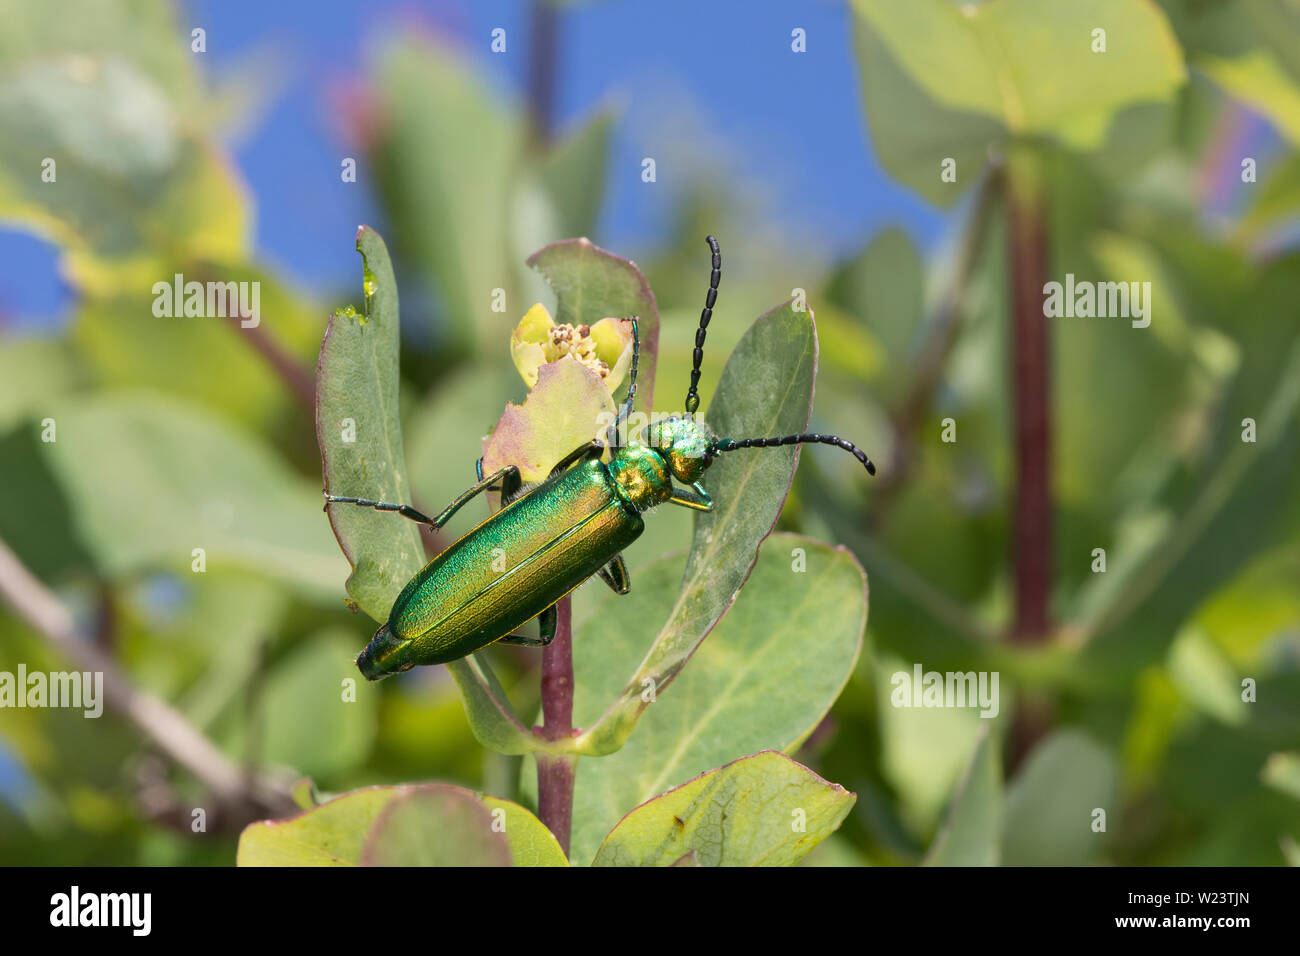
x: 685, y: 444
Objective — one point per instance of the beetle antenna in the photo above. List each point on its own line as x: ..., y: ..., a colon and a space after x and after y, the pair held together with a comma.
x: 692, y: 394
x: 728, y: 444
x: 626, y: 410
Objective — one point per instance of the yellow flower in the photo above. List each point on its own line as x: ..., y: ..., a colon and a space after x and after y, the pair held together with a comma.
x: 605, y: 348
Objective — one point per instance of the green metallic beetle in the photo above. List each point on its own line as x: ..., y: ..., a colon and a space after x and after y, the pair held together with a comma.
x: 556, y: 535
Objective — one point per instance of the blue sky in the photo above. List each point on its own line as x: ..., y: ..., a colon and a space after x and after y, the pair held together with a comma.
x: 789, y: 122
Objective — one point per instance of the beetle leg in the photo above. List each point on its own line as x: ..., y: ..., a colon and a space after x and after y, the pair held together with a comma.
x: 697, y: 500
x: 510, y: 484
x: 503, y: 475
x: 547, y: 622
x: 469, y: 494
x: 592, y: 449
x: 615, y: 575
x: 405, y: 511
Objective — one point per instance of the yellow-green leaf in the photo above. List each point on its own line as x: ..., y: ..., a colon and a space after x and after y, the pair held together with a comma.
x: 425, y: 824
x: 764, y: 810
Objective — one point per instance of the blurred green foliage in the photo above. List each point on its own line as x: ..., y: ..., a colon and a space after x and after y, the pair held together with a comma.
x: 180, y: 434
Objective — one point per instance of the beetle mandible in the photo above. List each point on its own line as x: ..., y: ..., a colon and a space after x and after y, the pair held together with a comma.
x: 555, y: 536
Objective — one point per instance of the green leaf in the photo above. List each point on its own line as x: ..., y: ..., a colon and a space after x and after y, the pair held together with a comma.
x: 339, y: 733
x: 1205, y: 677
x: 882, y: 287
x: 1048, y: 814
x: 446, y: 155
x: 1158, y: 716
x: 764, y: 679
x: 913, y: 134
x: 36, y: 516
x: 1249, y: 48
x: 1030, y: 66
x: 971, y: 834
x: 1290, y: 850
x: 58, y: 753
x: 531, y: 844
x: 204, y: 653
x: 304, y: 793
x: 1150, y: 372
x: 1259, y: 603
x: 435, y: 826
x: 332, y: 834
x: 1237, y: 503
x: 1276, y: 200
x: 168, y: 478
x: 357, y: 398
x: 573, y: 174
x: 357, y: 382
x: 487, y: 708
x: 143, y: 32
x: 132, y: 179
x: 124, y: 344
x: 924, y: 750
x: 988, y: 72
x: 764, y: 810
x: 591, y: 284
x: 429, y: 824
x: 1282, y: 773
x: 33, y: 371
x: 1256, y: 78
x: 766, y: 389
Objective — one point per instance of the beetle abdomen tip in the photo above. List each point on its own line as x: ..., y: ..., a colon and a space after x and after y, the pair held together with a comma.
x: 384, y: 655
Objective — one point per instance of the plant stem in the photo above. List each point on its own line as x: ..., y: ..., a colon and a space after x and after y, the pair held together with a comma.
x: 1028, y: 258
x: 556, y: 773
x: 1031, y: 354
x: 543, y: 57
x: 296, y: 377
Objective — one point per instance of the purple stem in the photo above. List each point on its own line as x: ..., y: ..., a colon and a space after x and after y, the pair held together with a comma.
x: 542, y: 60
x: 1029, y: 265
x: 1031, y: 385
x: 556, y: 772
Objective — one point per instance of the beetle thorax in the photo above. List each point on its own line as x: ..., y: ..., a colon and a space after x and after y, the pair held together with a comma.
x: 641, y: 476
